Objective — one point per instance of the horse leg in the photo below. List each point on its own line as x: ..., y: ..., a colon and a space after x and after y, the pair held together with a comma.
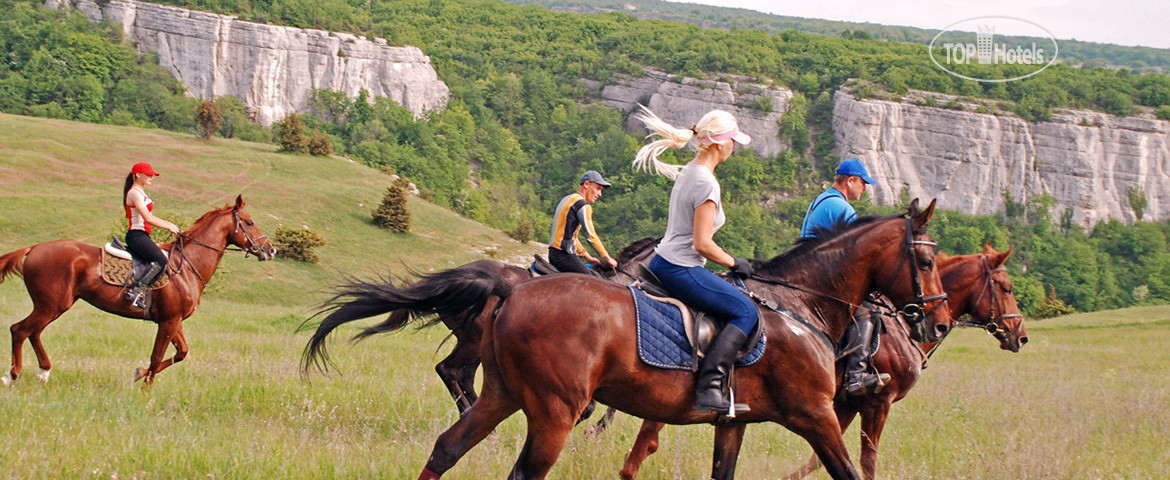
x: 458, y: 374
x: 549, y: 423
x: 180, y: 343
x: 30, y: 328
x: 873, y: 420
x: 820, y: 429
x: 644, y: 446
x: 472, y: 427
x: 844, y: 417
x: 728, y: 439
x: 167, y: 330
x: 604, y: 422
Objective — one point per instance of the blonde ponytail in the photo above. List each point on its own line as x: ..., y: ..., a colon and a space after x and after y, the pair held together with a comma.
x: 671, y: 137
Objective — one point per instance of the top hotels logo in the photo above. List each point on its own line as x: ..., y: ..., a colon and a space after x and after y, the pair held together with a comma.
x: 974, y: 42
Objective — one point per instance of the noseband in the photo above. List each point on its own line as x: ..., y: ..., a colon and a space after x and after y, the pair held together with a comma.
x: 253, y: 242
x: 994, y: 327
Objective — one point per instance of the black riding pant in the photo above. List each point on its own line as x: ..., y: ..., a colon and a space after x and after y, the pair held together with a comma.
x: 140, y: 245
x: 567, y: 262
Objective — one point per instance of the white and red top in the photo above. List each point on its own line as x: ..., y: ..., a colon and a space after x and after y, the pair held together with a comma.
x: 136, y: 220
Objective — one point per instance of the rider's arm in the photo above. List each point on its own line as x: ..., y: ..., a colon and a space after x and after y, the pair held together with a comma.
x: 139, y: 204
x: 586, y: 218
x: 704, y: 229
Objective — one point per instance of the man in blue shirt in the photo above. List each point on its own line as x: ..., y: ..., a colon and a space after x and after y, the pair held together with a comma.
x: 828, y: 211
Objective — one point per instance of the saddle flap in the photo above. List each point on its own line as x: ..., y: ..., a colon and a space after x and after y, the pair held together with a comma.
x: 542, y: 267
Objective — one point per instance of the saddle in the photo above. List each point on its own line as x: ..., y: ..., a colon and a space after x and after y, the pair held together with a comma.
x: 120, y: 268
x: 540, y: 266
x: 700, y: 328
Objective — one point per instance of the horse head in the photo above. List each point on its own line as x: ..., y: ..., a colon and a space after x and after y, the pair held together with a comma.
x: 997, y: 304
x: 918, y: 289
x: 246, y: 234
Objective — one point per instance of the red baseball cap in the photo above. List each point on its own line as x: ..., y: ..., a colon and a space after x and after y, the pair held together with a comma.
x: 143, y: 167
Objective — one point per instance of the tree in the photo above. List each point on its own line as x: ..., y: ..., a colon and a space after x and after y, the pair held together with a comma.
x: 320, y: 144
x: 208, y: 118
x: 292, y: 134
x: 394, y: 213
x: 297, y: 243
x: 1137, y: 201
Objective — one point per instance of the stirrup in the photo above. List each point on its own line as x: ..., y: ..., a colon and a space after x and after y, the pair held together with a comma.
x: 139, y: 301
x: 868, y: 383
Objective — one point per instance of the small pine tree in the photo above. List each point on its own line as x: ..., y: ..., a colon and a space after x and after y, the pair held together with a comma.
x: 1053, y: 306
x: 394, y: 214
x: 524, y: 230
x: 292, y: 134
x: 208, y: 118
x: 297, y: 243
x: 320, y: 144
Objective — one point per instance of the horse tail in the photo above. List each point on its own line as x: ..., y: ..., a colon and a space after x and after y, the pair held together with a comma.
x: 13, y: 263
x: 451, y: 293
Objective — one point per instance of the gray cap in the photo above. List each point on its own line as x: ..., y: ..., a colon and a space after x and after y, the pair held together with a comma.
x: 593, y: 176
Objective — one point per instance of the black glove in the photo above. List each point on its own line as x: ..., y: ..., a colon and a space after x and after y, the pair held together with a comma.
x: 742, y: 268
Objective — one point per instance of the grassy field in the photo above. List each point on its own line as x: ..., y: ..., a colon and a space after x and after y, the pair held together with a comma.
x: 1086, y: 398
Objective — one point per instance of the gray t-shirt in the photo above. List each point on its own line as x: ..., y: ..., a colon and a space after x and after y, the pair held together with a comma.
x: 694, y: 186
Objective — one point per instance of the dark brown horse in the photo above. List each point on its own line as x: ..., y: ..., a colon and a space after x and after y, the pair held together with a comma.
x: 457, y: 369
x: 58, y: 273
x: 976, y: 285
x: 557, y: 342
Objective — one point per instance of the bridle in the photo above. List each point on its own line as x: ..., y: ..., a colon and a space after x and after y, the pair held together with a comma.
x: 253, y: 246
x: 915, y: 313
x: 994, y: 326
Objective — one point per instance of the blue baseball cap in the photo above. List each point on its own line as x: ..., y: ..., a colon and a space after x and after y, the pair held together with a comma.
x: 595, y: 177
x: 855, y: 168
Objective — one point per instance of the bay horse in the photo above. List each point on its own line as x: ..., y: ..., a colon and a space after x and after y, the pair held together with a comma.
x: 59, y: 272
x: 976, y: 285
x: 457, y: 369
x: 555, y: 343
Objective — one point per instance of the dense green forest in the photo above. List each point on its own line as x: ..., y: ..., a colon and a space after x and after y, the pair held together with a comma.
x: 521, y: 123
x: 1073, y: 52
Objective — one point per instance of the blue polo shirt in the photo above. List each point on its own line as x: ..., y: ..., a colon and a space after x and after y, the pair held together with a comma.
x: 826, y: 211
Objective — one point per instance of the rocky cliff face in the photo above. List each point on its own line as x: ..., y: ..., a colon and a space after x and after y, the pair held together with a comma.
x: 272, y: 69
x: 1087, y: 161
x: 682, y: 101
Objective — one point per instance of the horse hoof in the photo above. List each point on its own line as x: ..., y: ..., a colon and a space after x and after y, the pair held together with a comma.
x: 43, y: 377
x: 139, y: 373
x: 7, y: 379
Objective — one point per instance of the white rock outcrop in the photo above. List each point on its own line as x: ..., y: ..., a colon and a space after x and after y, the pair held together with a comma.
x: 1088, y: 161
x: 272, y: 69
x: 682, y: 101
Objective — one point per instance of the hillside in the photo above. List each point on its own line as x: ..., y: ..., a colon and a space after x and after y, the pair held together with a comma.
x: 1073, y: 52
x: 61, y: 179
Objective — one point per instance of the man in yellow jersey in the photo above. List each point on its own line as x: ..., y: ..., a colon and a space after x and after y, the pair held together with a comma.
x: 572, y: 213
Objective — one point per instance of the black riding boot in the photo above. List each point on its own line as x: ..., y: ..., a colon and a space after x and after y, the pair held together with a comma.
x: 135, y: 294
x: 858, y: 379
x: 715, y: 367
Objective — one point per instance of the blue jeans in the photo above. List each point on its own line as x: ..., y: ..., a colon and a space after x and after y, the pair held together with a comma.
x: 699, y: 288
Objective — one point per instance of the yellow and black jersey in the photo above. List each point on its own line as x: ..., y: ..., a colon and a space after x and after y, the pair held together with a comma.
x: 573, y: 213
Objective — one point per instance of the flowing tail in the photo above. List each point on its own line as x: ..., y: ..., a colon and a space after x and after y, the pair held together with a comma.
x: 13, y: 263
x: 461, y: 292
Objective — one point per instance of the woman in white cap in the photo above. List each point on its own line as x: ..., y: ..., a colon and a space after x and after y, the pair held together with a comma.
x: 139, y: 210
x: 696, y: 212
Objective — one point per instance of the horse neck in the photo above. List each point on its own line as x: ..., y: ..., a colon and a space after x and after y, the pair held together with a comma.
x: 843, y: 267
x: 212, y: 232
x: 963, y: 280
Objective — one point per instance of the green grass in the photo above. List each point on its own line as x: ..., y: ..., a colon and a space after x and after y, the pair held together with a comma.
x: 1086, y: 398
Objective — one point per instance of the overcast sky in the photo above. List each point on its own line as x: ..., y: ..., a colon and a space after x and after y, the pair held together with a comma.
x: 1122, y: 22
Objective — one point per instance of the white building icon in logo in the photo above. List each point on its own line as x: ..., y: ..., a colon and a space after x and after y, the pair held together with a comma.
x: 984, y: 49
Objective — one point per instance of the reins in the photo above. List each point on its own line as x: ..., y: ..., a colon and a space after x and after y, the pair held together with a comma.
x: 253, y: 247
x: 993, y: 326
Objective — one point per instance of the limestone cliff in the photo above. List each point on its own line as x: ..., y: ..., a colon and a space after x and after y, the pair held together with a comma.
x: 682, y: 101
x: 1087, y: 161
x: 273, y: 69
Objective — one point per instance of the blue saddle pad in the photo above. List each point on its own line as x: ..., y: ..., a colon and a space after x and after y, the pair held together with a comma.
x: 662, y: 339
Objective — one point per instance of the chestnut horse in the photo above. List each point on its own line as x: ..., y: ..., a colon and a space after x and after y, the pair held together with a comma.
x: 59, y: 272
x: 457, y: 369
x: 976, y: 285
x: 557, y: 342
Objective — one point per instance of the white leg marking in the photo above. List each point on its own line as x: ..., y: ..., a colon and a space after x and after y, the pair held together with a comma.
x: 43, y: 377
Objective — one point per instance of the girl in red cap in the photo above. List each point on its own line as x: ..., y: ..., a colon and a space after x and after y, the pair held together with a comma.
x: 138, y: 210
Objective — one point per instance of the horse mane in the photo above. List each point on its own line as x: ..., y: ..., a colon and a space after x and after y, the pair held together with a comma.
x: 635, y: 248
x: 206, y: 218
x: 778, y: 265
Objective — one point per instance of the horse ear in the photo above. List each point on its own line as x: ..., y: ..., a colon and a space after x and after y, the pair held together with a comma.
x: 912, y: 210
x: 921, y: 218
x: 988, y: 249
x: 1004, y: 256
x: 239, y: 202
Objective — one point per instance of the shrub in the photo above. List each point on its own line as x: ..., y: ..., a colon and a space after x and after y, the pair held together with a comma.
x: 524, y: 230
x: 292, y: 134
x: 297, y: 243
x: 320, y: 144
x: 208, y: 118
x: 1163, y: 112
x: 394, y: 214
